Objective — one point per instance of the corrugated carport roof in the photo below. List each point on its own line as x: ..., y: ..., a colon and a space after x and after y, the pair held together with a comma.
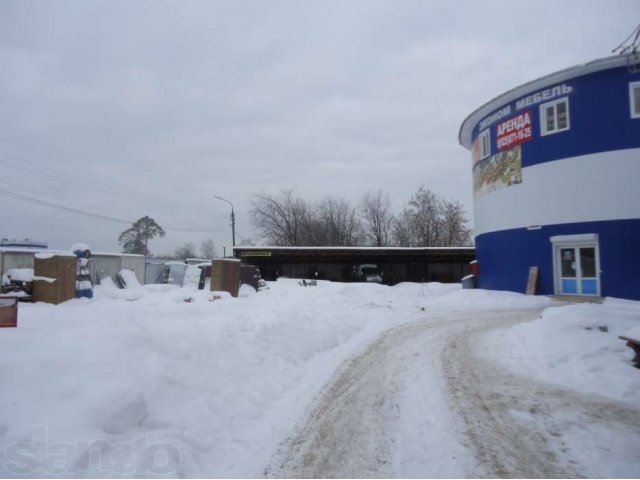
x: 352, y: 252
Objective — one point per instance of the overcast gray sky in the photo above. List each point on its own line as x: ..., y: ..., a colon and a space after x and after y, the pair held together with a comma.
x: 132, y: 108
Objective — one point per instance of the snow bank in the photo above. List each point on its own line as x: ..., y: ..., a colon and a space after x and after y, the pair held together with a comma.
x: 578, y: 346
x: 24, y: 275
x: 18, y: 274
x: 478, y: 299
x: 79, y: 247
x: 108, y: 290
x: 214, y: 383
x: 634, y: 333
x: 246, y: 291
x: 129, y: 278
x: 46, y: 254
x: 191, y: 276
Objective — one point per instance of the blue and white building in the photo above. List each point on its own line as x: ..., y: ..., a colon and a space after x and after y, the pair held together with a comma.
x: 556, y: 176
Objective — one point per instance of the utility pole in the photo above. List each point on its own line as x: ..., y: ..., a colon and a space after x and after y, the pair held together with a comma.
x: 233, y: 220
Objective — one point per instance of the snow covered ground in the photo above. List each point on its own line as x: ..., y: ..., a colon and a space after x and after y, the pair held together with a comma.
x: 164, y: 381
x: 578, y: 346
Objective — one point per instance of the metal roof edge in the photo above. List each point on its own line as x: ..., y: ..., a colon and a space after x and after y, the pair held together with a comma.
x: 605, y: 63
x: 267, y: 247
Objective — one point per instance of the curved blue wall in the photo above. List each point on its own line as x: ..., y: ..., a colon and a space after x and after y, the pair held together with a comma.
x: 600, y: 119
x: 582, y: 181
x: 505, y: 257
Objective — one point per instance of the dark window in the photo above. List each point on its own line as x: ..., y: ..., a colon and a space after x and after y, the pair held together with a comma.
x: 588, y: 262
x: 568, y: 256
x: 634, y: 99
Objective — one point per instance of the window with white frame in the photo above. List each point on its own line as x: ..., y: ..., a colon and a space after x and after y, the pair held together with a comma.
x: 554, y: 116
x: 634, y: 99
x: 485, y: 144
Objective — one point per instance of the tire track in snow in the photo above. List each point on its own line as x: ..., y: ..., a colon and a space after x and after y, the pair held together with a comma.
x: 517, y: 425
x: 505, y: 425
x: 352, y: 429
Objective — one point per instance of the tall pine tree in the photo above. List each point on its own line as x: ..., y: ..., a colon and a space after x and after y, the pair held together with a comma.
x: 136, y: 238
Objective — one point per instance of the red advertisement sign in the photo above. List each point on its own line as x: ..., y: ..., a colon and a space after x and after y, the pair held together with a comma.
x: 514, y: 131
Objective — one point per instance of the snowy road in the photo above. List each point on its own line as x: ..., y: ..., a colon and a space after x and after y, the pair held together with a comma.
x: 426, y: 400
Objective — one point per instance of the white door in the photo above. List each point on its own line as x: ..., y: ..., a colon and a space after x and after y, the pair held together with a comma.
x: 578, y: 271
x: 576, y: 265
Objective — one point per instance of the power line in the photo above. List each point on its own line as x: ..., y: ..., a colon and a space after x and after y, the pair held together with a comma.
x: 35, y: 201
x: 630, y: 47
x: 56, y: 174
x: 64, y: 176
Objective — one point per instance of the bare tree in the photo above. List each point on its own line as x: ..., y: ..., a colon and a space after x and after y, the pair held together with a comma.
x: 454, y: 225
x: 335, y: 223
x: 427, y: 218
x: 188, y: 250
x: 377, y: 218
x: 208, y: 249
x: 402, y: 229
x: 426, y: 221
x: 430, y: 221
x: 280, y: 219
x: 247, y: 242
x: 288, y: 220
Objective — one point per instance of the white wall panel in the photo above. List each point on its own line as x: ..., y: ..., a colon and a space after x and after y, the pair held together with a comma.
x: 597, y: 187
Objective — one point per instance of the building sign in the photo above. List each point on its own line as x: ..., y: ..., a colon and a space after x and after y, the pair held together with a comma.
x: 494, y: 117
x: 514, y: 131
x: 255, y: 254
x: 544, y: 95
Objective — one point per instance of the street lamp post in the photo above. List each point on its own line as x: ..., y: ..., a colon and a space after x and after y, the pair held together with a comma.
x: 233, y: 220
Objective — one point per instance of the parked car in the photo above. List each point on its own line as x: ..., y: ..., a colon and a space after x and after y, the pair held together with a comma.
x: 368, y: 272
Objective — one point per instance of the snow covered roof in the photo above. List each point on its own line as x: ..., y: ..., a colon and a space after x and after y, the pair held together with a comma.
x: 116, y: 254
x: 80, y: 247
x: 353, y: 254
x: 32, y: 251
x: 106, y: 254
x: 466, y: 129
